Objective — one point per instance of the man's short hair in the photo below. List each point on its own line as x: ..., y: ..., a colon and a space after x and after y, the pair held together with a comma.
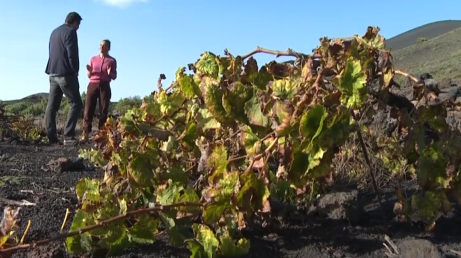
x: 73, y: 17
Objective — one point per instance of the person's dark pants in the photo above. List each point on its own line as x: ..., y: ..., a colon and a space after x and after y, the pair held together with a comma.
x: 94, y: 92
x: 70, y: 87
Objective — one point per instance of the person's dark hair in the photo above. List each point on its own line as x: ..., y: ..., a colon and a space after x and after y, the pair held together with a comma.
x: 107, y: 42
x: 73, y: 17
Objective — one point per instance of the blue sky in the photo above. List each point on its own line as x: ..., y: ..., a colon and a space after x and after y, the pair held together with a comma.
x: 150, y: 37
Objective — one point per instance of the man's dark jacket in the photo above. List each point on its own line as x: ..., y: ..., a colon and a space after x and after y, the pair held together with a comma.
x: 63, y: 52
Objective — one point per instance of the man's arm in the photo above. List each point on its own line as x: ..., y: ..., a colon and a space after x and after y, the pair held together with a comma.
x: 48, y: 63
x: 71, y: 42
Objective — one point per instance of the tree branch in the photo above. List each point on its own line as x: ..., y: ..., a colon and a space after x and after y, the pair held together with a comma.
x: 99, y: 225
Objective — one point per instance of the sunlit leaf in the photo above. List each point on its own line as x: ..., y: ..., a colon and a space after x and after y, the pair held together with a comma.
x: 352, y: 83
x: 207, y: 239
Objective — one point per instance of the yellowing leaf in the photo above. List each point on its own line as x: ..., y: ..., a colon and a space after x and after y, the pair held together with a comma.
x: 207, y: 239
x: 213, y: 212
x: 188, y: 87
x: 88, y: 188
x: 218, y: 161
x: 208, y: 65
x: 213, y: 101
x: 170, y: 103
x: 285, y: 88
x: 352, y: 84
x: 196, y: 249
x: 250, y: 140
x: 432, y: 166
x: 167, y: 195
x: 253, y: 191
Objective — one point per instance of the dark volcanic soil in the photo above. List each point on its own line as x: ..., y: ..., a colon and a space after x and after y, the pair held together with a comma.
x: 21, y: 167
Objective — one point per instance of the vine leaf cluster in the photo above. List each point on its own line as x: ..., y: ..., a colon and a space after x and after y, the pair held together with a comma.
x: 18, y: 128
x: 234, y: 136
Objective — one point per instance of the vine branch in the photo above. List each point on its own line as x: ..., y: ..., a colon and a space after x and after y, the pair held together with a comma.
x: 99, y: 225
x: 367, y: 160
x: 411, y: 77
x: 276, y: 53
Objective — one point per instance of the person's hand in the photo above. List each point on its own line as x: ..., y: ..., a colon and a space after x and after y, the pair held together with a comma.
x: 109, y: 69
x: 89, y: 68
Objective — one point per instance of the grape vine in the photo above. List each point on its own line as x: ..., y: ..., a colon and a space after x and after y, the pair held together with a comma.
x: 218, y: 149
x: 18, y: 128
x: 232, y: 134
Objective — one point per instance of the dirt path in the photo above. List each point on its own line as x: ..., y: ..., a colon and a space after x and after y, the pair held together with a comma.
x: 23, y: 176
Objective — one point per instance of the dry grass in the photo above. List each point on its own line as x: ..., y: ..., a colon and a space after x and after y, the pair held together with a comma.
x: 61, y: 123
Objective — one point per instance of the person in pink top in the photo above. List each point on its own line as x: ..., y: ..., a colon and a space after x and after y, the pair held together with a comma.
x: 101, y: 71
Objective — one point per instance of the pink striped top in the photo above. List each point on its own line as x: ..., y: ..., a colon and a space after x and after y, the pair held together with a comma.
x: 100, y: 65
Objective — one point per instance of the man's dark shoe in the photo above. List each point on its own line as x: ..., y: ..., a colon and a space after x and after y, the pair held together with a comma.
x: 54, y: 142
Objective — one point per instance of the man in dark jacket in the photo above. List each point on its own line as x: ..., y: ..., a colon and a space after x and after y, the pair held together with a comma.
x: 63, y: 66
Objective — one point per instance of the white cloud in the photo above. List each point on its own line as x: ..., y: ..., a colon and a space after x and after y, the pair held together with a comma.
x: 121, y: 3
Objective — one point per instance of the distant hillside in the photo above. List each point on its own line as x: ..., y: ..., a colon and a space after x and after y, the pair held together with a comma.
x: 439, y: 56
x: 37, y: 97
x: 428, y: 31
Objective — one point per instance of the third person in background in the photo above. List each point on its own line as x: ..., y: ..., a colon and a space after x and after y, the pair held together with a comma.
x: 101, y: 71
